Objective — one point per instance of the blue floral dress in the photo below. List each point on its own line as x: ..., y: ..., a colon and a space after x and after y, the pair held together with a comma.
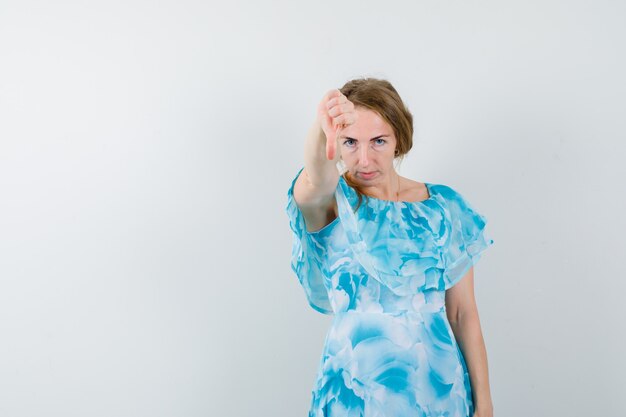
x: 382, y: 272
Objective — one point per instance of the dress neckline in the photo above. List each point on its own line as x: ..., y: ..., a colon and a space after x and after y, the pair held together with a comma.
x: 397, y: 203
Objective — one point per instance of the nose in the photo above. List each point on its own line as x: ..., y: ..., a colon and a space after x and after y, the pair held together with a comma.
x: 363, y: 156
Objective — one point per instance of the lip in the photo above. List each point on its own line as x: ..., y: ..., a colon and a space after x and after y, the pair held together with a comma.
x: 367, y: 174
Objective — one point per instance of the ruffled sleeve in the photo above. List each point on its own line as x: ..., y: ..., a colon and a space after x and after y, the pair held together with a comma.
x: 305, y: 261
x: 467, y: 239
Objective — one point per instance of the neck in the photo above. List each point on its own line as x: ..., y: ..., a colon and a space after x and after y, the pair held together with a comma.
x: 390, y: 190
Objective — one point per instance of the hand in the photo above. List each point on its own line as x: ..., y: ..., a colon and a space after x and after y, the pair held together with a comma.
x: 334, y: 112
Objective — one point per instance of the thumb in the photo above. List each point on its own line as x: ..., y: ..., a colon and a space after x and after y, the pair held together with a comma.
x: 336, y: 141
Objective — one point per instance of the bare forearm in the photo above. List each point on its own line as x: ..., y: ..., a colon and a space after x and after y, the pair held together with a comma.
x: 468, y: 334
x: 319, y: 169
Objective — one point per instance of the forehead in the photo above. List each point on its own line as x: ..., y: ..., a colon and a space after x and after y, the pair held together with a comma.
x: 368, y: 124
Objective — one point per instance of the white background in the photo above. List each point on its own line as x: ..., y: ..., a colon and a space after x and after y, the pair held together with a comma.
x: 146, y: 149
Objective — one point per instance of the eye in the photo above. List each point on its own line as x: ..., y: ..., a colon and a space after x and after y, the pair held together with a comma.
x: 348, y: 140
x: 382, y: 140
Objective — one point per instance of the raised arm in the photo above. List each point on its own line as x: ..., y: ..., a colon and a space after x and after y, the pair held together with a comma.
x: 315, y: 186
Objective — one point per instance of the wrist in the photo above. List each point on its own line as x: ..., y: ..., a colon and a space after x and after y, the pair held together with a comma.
x: 484, y: 409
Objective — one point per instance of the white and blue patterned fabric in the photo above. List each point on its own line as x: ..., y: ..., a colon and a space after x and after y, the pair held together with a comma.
x: 382, y: 272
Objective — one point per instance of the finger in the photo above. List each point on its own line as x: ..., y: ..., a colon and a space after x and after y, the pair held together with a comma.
x: 332, y: 94
x: 331, y: 144
x: 330, y: 148
x: 335, y: 142
x: 336, y: 100
x: 339, y: 108
x: 343, y: 119
x: 338, y: 131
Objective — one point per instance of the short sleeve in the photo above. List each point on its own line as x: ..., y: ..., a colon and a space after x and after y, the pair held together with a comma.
x: 468, y: 238
x: 305, y: 261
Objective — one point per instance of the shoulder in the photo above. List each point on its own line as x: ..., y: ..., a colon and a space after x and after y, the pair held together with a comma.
x: 413, y: 190
x: 449, y: 193
x: 462, y: 212
x: 454, y: 200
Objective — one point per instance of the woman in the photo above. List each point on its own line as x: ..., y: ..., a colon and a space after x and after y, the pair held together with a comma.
x: 392, y: 260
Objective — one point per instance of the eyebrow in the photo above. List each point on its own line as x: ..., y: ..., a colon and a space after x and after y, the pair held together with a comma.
x: 377, y: 137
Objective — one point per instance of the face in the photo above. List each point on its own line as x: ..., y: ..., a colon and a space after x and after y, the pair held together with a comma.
x: 367, y: 147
